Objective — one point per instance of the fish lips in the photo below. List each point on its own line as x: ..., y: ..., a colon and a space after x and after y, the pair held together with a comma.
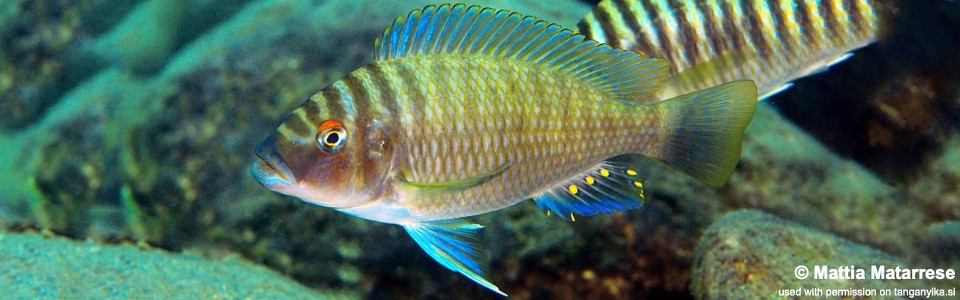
x: 270, y: 169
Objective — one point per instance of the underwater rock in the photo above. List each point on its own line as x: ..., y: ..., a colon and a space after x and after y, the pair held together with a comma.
x: 146, y: 37
x: 937, y: 190
x: 748, y: 254
x: 35, y: 55
x: 33, y: 267
x: 51, y: 47
x: 944, y: 244
x: 58, y: 167
x: 785, y: 171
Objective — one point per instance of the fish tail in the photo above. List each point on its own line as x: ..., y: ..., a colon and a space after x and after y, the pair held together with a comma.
x: 704, y: 130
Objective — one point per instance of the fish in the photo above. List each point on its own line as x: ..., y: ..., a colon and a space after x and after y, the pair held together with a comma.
x: 709, y: 42
x: 467, y: 110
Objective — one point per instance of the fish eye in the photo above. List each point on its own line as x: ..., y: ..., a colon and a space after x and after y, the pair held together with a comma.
x: 331, y: 136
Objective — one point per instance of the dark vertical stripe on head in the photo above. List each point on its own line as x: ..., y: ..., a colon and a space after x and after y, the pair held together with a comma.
x: 853, y: 11
x: 630, y: 19
x: 358, y: 99
x: 387, y: 97
x: 331, y: 96
x: 755, y: 29
x: 662, y: 36
x: 712, y: 32
x: 603, y: 18
x: 829, y: 16
x: 733, y: 34
x: 780, y: 21
x: 311, y: 109
x: 688, y: 38
x: 359, y: 95
x: 299, y: 124
x: 808, y: 35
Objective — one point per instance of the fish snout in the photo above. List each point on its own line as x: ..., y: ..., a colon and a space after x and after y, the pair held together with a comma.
x: 270, y: 169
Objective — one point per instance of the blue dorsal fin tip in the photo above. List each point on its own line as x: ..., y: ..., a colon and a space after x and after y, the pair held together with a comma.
x: 608, y: 187
x: 452, y: 243
x: 475, y: 31
x: 422, y: 25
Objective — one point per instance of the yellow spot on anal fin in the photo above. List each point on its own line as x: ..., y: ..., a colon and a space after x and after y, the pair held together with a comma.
x: 589, y: 180
x: 572, y: 218
x: 573, y: 189
x: 548, y: 211
x: 631, y: 172
x: 638, y: 184
x: 604, y: 172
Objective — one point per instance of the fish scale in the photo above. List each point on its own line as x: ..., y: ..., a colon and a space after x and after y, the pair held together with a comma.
x: 431, y: 134
x: 468, y: 110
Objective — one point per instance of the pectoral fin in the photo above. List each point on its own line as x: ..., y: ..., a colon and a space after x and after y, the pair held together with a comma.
x: 456, y: 184
x: 452, y: 244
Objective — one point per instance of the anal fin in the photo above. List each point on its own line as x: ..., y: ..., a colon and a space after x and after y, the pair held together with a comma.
x: 452, y: 243
x: 606, y: 188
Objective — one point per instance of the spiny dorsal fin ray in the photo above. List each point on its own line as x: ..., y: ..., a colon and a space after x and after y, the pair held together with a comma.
x: 452, y: 243
x: 608, y: 187
x: 503, y: 35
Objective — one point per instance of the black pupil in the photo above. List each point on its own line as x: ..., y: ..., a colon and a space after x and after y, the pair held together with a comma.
x: 333, y: 138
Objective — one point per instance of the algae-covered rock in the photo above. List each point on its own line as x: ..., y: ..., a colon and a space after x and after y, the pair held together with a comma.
x: 34, y: 267
x: 752, y: 255
x: 148, y: 135
x: 785, y: 171
x: 51, y: 47
x: 35, y: 56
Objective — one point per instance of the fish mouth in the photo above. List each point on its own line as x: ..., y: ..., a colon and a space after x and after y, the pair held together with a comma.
x: 269, y: 169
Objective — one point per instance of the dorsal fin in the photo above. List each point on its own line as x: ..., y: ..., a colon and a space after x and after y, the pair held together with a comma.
x: 503, y: 35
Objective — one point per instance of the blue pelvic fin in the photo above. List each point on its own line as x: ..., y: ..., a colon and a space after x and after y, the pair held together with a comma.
x: 606, y: 188
x: 452, y: 243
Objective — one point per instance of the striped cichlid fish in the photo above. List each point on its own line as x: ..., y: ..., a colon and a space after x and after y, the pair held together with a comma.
x: 468, y: 110
x: 709, y: 42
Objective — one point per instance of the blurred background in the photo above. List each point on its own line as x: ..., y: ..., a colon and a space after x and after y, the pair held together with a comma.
x: 128, y: 122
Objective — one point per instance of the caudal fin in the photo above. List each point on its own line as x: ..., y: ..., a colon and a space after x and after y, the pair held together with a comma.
x: 704, y: 130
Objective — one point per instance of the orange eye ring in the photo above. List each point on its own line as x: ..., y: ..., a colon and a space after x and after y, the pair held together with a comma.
x: 331, y: 136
